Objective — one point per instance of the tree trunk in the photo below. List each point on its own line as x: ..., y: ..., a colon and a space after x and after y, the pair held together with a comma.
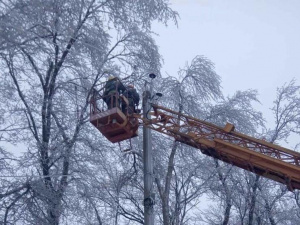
x: 227, y: 213
x: 54, y: 211
x: 166, y: 194
x: 271, y: 219
x: 253, y: 200
x: 227, y: 194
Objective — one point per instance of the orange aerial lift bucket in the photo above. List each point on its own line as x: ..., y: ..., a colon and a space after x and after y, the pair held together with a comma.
x: 109, y: 114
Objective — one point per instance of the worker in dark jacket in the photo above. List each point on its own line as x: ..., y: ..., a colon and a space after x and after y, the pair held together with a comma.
x: 133, y: 98
x: 112, y: 89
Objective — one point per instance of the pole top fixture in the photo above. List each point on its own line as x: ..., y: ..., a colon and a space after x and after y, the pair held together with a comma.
x: 152, y: 75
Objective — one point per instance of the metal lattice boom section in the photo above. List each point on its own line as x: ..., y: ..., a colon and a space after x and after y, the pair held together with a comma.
x: 258, y: 156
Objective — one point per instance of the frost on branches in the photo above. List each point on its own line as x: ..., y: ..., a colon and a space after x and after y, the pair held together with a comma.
x: 53, y: 53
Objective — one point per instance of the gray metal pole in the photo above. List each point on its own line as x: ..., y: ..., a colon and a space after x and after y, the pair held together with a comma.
x: 148, y: 163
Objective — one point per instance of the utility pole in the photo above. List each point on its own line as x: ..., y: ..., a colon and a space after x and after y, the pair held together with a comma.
x: 148, y: 158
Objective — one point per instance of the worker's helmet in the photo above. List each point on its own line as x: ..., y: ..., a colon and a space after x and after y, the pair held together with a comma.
x: 111, y: 78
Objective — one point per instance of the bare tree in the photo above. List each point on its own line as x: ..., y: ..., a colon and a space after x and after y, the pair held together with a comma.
x: 258, y: 200
x: 198, y: 83
x: 237, y: 110
x: 53, y: 53
x: 286, y: 111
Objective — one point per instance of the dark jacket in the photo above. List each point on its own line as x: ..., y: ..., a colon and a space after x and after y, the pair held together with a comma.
x: 112, y: 86
x: 132, y: 94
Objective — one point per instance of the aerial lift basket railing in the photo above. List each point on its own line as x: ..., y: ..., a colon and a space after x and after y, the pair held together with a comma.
x: 114, y: 122
x: 255, y: 155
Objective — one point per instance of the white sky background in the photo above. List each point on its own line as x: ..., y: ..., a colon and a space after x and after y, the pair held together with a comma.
x: 254, y: 44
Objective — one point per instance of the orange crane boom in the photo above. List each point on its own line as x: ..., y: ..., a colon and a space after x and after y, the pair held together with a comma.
x: 258, y: 156
x: 255, y: 155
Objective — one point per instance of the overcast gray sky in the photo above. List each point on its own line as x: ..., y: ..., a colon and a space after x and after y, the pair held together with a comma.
x: 254, y: 44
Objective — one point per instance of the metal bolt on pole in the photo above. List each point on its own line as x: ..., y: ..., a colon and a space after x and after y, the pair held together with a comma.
x: 148, y: 160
